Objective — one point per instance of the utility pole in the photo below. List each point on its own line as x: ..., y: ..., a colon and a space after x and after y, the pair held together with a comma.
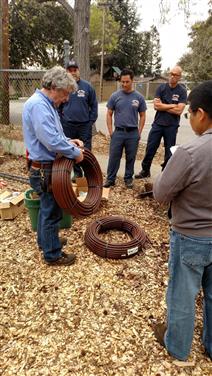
x: 104, y: 7
x: 4, y: 62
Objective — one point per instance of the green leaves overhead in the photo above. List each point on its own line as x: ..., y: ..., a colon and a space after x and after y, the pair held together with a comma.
x: 198, y: 63
x: 37, y: 31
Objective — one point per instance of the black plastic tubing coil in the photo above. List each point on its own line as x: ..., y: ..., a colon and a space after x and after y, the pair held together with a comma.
x: 63, y: 190
x: 115, y: 250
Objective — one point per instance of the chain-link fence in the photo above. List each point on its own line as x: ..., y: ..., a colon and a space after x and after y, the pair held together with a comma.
x: 17, y: 85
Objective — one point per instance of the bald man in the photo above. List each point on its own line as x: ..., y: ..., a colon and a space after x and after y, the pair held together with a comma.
x: 169, y: 103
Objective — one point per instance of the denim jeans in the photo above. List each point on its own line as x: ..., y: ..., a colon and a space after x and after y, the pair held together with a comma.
x: 122, y: 140
x: 190, y: 268
x: 49, y: 215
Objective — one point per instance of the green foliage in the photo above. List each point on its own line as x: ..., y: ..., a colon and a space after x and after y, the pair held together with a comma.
x: 37, y: 31
x: 111, y: 33
x: 139, y: 51
x: 126, y: 54
x: 150, y: 60
x: 198, y: 63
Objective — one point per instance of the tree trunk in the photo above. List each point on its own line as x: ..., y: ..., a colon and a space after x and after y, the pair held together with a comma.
x: 4, y: 62
x: 81, y: 36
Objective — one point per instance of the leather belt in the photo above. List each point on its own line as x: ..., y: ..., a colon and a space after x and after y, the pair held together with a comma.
x: 126, y: 129
x: 37, y: 164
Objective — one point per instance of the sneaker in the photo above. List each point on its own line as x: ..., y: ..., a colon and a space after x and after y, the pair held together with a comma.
x: 64, y: 260
x: 142, y: 175
x: 129, y: 184
x: 159, y: 331
x: 108, y: 183
x: 63, y: 241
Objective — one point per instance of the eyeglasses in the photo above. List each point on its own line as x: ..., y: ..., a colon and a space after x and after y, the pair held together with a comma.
x: 174, y: 74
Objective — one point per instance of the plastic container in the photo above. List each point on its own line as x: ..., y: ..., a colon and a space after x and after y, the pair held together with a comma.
x: 33, y: 205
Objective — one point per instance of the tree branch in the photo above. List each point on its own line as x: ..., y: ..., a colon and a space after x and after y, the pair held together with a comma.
x: 67, y: 7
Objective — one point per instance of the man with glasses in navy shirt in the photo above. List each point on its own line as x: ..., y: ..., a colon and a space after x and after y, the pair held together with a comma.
x: 169, y: 103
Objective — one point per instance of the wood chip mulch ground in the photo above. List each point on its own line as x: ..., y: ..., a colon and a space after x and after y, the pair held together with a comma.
x: 95, y: 317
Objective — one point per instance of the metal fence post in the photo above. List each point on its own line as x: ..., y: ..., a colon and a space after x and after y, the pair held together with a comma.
x: 66, y: 46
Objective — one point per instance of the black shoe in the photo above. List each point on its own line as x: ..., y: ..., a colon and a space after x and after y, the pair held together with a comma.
x: 108, y: 184
x: 63, y: 241
x: 142, y: 175
x: 208, y: 355
x: 63, y: 260
x: 129, y: 184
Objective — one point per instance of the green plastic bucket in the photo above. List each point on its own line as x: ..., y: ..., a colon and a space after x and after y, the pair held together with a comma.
x: 33, y: 205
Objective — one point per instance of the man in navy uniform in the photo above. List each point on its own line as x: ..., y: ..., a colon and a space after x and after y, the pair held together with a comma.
x: 169, y: 103
x: 129, y: 109
x: 80, y: 112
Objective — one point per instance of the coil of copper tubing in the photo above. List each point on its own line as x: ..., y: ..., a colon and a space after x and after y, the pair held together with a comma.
x: 115, y: 250
x: 63, y: 190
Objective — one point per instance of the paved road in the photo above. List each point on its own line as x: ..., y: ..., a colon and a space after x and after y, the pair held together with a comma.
x: 185, y: 133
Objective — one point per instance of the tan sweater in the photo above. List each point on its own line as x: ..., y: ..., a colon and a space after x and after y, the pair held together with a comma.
x: 187, y: 182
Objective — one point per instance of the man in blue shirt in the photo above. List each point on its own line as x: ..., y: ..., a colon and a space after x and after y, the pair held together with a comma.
x: 169, y: 103
x: 44, y: 139
x: 126, y: 105
x: 80, y: 112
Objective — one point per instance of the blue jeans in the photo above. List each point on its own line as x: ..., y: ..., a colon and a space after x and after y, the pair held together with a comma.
x: 49, y: 215
x: 190, y: 268
x: 119, y: 141
x: 157, y: 132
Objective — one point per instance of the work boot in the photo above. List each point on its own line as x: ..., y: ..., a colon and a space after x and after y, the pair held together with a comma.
x: 142, y: 175
x: 63, y: 241
x: 108, y: 183
x: 129, y: 183
x: 64, y: 260
x: 159, y: 331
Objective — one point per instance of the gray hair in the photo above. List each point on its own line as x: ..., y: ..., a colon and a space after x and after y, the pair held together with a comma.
x: 58, y: 78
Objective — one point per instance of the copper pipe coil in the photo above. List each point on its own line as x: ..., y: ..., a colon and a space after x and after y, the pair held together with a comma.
x: 115, y: 250
x: 63, y: 190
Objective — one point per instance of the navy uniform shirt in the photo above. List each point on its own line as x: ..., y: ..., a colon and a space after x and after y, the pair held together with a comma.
x: 126, y: 107
x: 169, y: 95
x: 82, y: 106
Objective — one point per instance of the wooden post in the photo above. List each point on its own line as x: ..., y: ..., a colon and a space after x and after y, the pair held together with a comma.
x: 4, y: 62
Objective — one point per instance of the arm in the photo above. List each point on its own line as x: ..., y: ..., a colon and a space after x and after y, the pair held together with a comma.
x: 141, y: 122
x: 178, y: 109
x: 159, y: 106
x: 93, y: 112
x: 174, y: 178
x: 48, y: 135
x: 109, y: 121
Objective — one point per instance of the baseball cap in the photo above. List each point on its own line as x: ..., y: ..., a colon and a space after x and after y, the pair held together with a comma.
x: 72, y: 64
